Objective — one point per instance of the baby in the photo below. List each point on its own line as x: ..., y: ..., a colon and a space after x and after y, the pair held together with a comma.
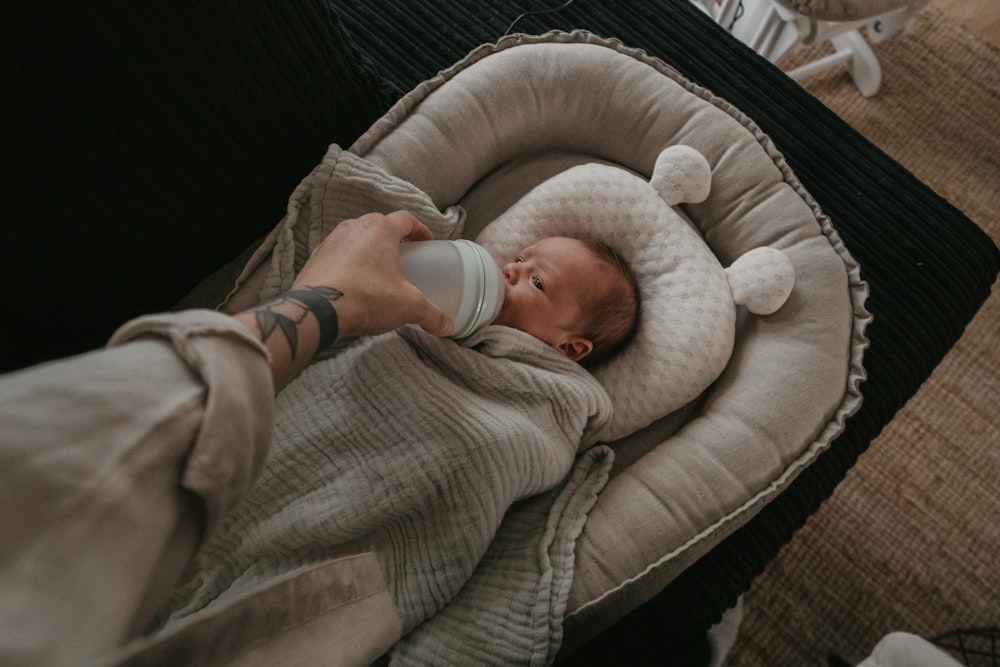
x: 578, y: 296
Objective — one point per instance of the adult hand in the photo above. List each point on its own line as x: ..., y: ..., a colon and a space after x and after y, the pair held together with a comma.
x: 360, y: 259
x: 351, y: 285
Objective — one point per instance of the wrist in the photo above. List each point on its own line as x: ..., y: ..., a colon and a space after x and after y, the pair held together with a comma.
x: 294, y: 327
x: 319, y: 302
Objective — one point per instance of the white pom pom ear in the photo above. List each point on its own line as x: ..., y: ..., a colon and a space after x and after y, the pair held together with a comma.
x: 682, y: 175
x: 761, y: 280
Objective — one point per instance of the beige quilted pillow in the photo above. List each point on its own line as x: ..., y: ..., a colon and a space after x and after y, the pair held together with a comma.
x: 687, y: 324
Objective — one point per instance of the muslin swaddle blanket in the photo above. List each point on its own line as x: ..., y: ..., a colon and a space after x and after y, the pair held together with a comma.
x: 466, y: 467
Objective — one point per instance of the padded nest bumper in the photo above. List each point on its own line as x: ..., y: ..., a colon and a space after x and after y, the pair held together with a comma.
x: 505, y: 118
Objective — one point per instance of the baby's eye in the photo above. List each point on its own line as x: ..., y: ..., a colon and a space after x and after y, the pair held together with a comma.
x: 518, y: 260
x: 536, y: 281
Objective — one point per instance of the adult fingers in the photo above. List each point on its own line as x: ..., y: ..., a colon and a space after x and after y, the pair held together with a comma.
x: 409, y: 227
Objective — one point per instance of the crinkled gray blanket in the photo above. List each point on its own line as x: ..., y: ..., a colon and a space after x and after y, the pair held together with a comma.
x: 425, y: 451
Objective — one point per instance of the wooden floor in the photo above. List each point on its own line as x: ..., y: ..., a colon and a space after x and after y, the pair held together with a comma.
x: 981, y: 17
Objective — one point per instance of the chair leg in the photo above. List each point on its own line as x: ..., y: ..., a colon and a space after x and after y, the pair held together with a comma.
x: 853, y: 51
x: 863, y: 65
x: 767, y: 33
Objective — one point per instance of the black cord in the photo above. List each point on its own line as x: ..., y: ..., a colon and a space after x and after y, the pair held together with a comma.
x: 538, y: 11
x: 736, y: 15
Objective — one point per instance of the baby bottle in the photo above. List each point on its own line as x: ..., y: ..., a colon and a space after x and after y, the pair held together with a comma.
x: 458, y: 276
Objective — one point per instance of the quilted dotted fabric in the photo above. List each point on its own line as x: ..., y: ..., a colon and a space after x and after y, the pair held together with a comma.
x: 687, y: 324
x: 761, y: 280
x: 681, y: 175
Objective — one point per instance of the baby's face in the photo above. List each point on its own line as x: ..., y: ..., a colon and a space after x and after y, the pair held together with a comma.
x: 545, y: 293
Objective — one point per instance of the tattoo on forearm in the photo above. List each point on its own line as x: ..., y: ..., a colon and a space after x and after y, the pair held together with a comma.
x: 268, y: 320
x: 288, y: 311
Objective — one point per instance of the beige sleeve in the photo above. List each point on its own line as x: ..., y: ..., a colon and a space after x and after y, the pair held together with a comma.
x: 113, y: 465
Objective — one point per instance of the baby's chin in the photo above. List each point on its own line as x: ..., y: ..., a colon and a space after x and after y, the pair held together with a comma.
x: 504, y: 317
x: 502, y: 321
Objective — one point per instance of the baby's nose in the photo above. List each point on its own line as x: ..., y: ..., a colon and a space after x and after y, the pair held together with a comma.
x: 509, y: 271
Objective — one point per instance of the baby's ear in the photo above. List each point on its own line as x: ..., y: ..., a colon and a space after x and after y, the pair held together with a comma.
x: 575, y: 347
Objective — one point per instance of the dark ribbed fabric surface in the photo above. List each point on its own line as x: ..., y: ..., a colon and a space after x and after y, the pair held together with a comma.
x: 145, y: 144
x: 929, y: 268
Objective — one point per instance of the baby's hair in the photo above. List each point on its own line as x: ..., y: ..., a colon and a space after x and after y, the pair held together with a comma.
x: 614, y: 317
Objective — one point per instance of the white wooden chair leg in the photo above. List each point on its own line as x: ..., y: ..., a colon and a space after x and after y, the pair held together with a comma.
x: 853, y: 52
x: 820, y: 65
x: 863, y: 65
x: 767, y: 33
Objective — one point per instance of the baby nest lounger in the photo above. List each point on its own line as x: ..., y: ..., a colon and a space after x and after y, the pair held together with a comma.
x: 507, y: 118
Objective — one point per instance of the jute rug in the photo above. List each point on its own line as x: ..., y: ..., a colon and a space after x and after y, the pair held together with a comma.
x: 911, y: 539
